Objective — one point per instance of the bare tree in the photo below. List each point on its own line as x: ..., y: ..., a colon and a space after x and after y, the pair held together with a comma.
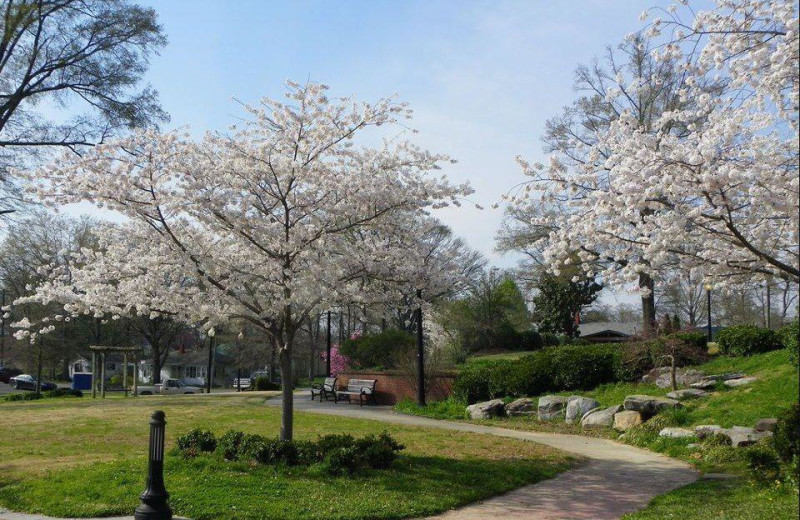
x: 87, y: 56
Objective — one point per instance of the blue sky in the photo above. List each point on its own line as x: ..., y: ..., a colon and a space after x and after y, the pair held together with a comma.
x: 482, y: 77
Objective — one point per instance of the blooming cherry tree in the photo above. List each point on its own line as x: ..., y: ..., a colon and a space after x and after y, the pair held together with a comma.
x: 710, y: 185
x: 264, y: 222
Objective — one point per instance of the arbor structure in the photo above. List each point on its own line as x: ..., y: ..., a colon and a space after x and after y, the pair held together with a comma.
x: 264, y: 221
x: 85, y: 55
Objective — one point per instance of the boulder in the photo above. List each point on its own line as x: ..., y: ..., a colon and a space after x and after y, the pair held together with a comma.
x: 577, y: 407
x: 766, y: 425
x: 741, y: 436
x: 522, y: 406
x: 486, y: 409
x: 654, y: 374
x: 707, y: 430
x: 686, y: 393
x: 649, y: 405
x: 626, y: 420
x: 600, y: 416
x: 724, y: 377
x: 705, y: 384
x: 683, y: 376
x: 552, y: 407
x: 676, y: 433
x: 742, y: 381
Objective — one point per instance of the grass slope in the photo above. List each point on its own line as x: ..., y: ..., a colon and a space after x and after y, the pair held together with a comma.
x: 84, y: 458
x: 774, y: 391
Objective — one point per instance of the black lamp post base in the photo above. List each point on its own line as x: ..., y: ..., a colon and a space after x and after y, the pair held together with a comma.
x: 153, y: 512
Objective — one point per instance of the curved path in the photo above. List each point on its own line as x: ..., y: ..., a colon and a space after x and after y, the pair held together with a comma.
x: 617, y: 479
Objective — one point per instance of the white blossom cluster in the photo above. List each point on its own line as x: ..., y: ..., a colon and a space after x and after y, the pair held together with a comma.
x: 711, y: 188
x: 278, y: 218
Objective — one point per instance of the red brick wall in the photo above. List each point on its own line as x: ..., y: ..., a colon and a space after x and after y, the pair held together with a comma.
x: 392, y: 386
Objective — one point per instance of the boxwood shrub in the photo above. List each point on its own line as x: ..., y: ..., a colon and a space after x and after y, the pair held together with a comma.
x: 572, y: 367
x: 789, y: 338
x: 746, y: 340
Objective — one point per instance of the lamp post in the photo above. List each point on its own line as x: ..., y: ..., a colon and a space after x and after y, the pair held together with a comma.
x: 708, y: 310
x: 154, y: 504
x: 211, y: 333
x: 328, y: 349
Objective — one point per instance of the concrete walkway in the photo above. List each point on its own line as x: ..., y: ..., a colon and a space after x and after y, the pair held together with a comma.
x: 617, y: 479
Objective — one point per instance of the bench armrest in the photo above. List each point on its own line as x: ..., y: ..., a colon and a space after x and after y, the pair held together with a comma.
x: 366, y: 389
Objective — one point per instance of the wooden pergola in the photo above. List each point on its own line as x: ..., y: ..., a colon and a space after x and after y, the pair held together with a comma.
x: 102, y: 351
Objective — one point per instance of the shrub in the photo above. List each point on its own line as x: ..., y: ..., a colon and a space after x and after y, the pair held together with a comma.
x: 274, y: 451
x: 327, y: 443
x: 263, y: 383
x: 63, y: 392
x: 789, y: 339
x: 383, y: 350
x: 787, y: 434
x: 529, y: 340
x: 32, y: 396
x: 341, y: 461
x: 763, y: 464
x: 229, y: 445
x: 197, y: 441
x: 746, y: 340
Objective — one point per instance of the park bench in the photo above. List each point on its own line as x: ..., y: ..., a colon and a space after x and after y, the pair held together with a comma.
x: 325, y: 390
x: 363, y: 388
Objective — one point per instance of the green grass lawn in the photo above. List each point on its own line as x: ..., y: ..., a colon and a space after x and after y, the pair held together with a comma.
x: 79, y: 457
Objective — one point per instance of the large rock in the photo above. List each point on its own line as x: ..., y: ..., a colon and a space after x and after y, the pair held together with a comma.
x: 649, y: 405
x: 486, y: 409
x: 552, y: 407
x: 742, y: 381
x: 676, y: 433
x: 625, y: 420
x: 683, y: 376
x: 724, y: 377
x: 686, y: 393
x: 600, y: 416
x: 577, y: 407
x: 707, y: 430
x: 705, y: 384
x: 741, y: 436
x: 766, y: 425
x: 654, y: 374
x: 522, y: 406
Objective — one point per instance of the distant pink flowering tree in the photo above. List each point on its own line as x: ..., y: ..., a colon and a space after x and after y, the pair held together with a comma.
x: 339, y: 362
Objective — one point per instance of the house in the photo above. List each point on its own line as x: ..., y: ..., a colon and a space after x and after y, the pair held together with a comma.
x: 191, y: 366
x: 608, y: 331
x: 114, y: 363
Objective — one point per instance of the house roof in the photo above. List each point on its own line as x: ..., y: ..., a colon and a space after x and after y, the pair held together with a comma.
x: 609, y: 327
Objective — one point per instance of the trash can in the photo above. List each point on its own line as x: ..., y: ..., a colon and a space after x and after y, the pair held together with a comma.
x: 82, y: 381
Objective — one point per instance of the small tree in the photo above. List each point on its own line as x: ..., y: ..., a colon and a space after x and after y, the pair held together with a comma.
x: 559, y: 299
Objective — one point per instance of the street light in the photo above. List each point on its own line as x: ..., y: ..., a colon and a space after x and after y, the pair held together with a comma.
x: 211, y: 333
x: 708, y: 295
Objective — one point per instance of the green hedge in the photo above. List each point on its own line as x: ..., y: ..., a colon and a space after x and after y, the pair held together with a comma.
x: 746, y: 340
x: 572, y: 367
x: 385, y: 350
x: 789, y: 338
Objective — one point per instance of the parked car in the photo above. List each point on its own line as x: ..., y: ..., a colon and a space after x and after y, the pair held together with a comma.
x: 7, y: 373
x: 169, y: 386
x: 28, y: 382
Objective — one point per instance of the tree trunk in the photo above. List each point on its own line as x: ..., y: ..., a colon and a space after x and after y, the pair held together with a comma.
x: 648, y: 304
x: 39, y: 369
x: 157, y: 363
x: 287, y: 391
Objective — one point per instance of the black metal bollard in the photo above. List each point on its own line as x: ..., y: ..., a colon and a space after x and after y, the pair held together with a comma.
x: 154, y: 498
